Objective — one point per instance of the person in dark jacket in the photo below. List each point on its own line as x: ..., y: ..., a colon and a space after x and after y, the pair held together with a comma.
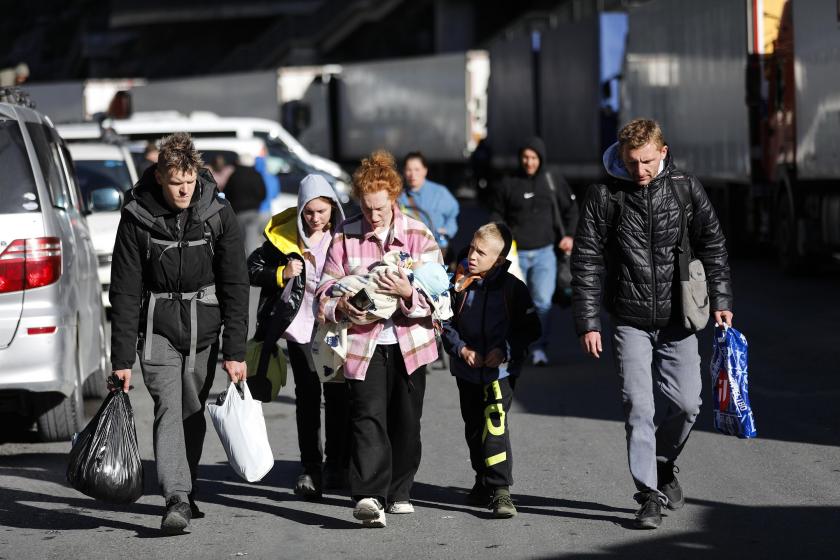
x: 295, y: 249
x: 245, y: 190
x: 178, y: 275
x: 540, y: 209
x: 625, y: 251
x: 488, y: 337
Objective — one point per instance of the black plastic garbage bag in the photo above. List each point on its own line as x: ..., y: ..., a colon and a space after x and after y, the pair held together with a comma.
x: 105, y: 459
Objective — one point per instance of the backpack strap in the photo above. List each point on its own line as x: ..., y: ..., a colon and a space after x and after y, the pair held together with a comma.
x: 680, y: 188
x: 615, y: 209
x: 559, y: 226
x: 213, y: 230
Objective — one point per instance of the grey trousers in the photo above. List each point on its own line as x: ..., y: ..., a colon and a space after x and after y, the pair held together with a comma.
x: 659, y: 376
x: 179, y: 400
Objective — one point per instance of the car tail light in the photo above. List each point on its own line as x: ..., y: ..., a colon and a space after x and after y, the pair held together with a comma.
x: 30, y: 263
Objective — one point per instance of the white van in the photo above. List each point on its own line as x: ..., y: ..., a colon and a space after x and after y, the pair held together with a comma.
x: 149, y: 126
x: 104, y: 172
x: 233, y: 150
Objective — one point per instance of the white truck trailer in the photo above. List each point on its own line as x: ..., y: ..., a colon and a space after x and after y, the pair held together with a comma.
x: 748, y: 95
x: 436, y: 104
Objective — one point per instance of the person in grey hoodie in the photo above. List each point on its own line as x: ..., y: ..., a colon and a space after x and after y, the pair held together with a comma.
x: 294, y: 252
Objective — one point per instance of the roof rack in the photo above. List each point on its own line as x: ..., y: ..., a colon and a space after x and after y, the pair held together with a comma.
x: 16, y: 96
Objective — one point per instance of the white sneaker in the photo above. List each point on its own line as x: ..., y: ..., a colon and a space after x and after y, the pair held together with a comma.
x: 370, y: 512
x: 401, y: 507
x: 538, y: 358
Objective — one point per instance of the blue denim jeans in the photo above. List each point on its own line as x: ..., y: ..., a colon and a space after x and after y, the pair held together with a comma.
x: 539, y: 267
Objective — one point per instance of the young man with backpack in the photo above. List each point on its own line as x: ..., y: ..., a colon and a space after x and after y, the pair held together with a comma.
x: 178, y: 275
x: 627, y: 250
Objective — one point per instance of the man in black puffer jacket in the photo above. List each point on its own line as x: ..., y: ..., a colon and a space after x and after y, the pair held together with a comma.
x: 177, y: 276
x: 625, y: 250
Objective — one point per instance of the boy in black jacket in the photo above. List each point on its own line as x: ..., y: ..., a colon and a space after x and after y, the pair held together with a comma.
x: 494, y: 323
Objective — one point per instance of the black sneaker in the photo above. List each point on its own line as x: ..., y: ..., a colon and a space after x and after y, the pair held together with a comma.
x: 479, y: 495
x: 649, y: 515
x: 669, y: 485
x: 177, y: 516
x: 502, y: 505
x: 308, y: 486
x: 194, y: 511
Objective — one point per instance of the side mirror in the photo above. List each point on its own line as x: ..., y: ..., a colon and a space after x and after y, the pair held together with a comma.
x: 107, y: 199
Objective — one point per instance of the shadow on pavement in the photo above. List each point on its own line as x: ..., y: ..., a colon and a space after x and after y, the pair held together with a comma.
x: 727, y: 530
x: 79, y: 512
x: 450, y: 498
x: 217, y: 485
x: 793, y: 360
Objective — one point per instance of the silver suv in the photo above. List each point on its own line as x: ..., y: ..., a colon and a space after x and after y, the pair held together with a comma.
x: 52, y: 324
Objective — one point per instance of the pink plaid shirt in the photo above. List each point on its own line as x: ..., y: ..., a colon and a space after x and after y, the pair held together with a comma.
x: 355, y: 245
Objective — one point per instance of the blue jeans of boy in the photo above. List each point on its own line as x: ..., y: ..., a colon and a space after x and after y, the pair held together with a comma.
x: 539, y: 267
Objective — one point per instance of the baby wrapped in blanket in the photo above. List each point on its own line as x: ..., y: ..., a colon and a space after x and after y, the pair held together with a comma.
x: 431, y: 280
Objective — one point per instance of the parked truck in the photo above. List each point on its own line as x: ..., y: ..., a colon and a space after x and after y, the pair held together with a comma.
x: 437, y: 104
x: 748, y: 93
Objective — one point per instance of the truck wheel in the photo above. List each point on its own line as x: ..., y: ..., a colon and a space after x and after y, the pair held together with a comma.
x: 63, y: 416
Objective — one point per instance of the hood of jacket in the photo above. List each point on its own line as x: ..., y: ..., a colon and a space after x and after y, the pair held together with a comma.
x: 615, y: 166
x: 315, y: 186
x: 534, y: 143
x: 282, y: 231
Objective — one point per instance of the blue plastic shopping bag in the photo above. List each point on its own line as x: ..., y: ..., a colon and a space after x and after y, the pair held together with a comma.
x: 730, y: 398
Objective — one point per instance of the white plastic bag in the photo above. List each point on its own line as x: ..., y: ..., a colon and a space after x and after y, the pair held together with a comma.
x: 241, y: 427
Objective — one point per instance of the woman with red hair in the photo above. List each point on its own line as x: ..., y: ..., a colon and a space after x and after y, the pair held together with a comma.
x: 385, y: 360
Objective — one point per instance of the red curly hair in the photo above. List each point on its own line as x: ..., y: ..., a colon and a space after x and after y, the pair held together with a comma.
x: 377, y: 172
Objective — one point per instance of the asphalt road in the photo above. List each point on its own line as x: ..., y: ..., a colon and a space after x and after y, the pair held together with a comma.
x: 776, y: 496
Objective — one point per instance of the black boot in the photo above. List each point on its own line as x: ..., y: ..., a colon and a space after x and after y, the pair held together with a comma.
x: 177, y: 516
x: 669, y: 485
x: 308, y: 485
x: 649, y: 515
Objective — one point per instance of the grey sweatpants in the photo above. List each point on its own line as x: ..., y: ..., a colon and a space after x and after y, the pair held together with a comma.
x: 659, y: 375
x: 179, y: 400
